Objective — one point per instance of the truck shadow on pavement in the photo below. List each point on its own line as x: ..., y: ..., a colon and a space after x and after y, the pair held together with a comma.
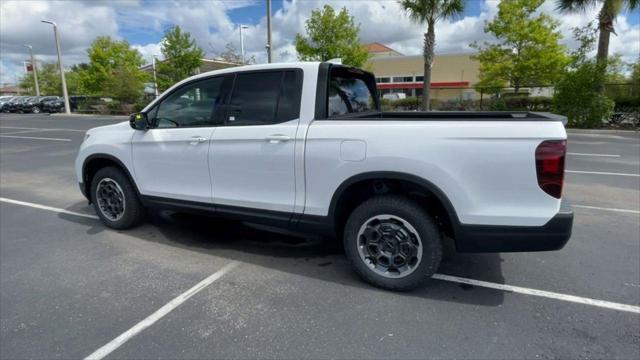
x: 306, y: 256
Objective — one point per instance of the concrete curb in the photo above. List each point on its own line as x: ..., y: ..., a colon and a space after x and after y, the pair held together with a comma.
x: 90, y: 116
x: 602, y: 131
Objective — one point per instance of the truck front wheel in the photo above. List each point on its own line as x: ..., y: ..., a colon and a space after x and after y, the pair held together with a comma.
x: 115, y: 200
x: 392, y: 242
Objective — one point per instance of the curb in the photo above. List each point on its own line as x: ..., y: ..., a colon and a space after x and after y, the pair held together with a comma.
x: 602, y: 131
x: 91, y: 116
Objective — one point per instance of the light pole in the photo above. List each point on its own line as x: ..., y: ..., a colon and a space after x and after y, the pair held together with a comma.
x: 268, y: 31
x: 155, y: 79
x: 67, y: 109
x: 242, y: 42
x: 33, y: 68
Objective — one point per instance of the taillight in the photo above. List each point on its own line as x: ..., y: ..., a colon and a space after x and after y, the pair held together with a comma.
x: 550, y: 166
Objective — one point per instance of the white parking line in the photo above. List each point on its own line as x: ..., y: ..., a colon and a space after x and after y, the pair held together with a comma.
x: 45, y: 207
x: 601, y: 173
x: 595, y: 155
x: 606, y: 209
x: 541, y: 293
x: 40, y: 129
x: 20, y: 132
x: 160, y: 313
x: 33, y: 138
x: 509, y: 288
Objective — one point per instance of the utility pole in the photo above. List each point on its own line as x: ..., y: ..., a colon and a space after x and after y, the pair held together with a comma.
x: 242, y: 42
x: 67, y: 108
x: 155, y: 79
x: 33, y: 68
x: 268, y: 31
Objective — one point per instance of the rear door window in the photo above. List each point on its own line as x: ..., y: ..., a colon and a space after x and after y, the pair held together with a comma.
x: 265, y: 97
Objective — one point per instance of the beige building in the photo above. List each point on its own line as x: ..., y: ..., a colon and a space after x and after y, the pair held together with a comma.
x: 453, y: 75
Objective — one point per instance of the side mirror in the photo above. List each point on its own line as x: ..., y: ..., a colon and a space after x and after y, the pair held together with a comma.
x: 139, y: 121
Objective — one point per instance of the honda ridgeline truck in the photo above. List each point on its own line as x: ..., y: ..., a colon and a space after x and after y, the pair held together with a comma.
x: 305, y: 146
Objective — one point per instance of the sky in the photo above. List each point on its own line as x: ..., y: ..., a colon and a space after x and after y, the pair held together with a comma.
x: 214, y: 23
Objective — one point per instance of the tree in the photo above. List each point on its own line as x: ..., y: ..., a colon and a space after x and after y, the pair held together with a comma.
x: 330, y: 36
x: 577, y: 93
x: 231, y: 55
x: 108, y: 60
x: 527, y: 51
x: 430, y: 11
x: 181, y: 57
x: 609, y: 10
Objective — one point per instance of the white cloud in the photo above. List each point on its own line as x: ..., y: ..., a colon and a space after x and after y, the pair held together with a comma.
x: 209, y: 22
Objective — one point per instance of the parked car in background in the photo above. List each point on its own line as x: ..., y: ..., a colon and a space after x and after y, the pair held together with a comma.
x: 394, y: 96
x: 53, y: 105
x: 34, y: 104
x: 4, y: 102
x: 15, y: 103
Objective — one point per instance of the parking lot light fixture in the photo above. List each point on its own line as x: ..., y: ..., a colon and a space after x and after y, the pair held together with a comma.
x: 242, y: 42
x: 67, y: 109
x: 33, y: 68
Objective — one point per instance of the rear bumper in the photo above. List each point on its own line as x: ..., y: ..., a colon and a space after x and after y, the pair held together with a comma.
x: 484, y: 238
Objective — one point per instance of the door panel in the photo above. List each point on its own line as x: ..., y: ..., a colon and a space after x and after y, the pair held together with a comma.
x: 253, y: 166
x: 172, y: 159
x: 173, y: 163
x: 252, y: 157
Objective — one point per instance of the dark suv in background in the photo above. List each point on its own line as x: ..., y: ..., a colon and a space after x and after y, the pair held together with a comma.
x: 35, y: 104
x: 53, y: 105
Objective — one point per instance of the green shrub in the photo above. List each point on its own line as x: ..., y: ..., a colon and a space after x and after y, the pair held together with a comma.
x: 577, y: 97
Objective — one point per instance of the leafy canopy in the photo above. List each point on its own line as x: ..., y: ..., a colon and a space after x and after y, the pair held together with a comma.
x: 108, y: 60
x: 577, y: 94
x: 330, y: 36
x: 527, y: 51
x: 182, y: 57
x: 430, y: 11
x: 49, y: 80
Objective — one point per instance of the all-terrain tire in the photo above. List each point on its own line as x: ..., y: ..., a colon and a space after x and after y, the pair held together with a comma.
x: 408, y: 211
x: 133, y: 213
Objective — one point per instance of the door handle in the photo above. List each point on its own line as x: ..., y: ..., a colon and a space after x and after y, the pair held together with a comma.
x: 197, y: 139
x: 276, y: 138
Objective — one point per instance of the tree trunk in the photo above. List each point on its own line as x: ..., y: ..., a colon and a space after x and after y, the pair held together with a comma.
x: 605, y: 27
x: 429, y: 42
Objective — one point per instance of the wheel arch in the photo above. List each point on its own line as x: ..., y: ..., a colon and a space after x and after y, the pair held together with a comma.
x: 95, y: 162
x: 347, y: 197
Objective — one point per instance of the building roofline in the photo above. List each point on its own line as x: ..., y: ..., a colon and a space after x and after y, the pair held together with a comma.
x: 384, y: 58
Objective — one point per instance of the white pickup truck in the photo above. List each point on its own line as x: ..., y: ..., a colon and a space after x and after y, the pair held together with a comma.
x: 304, y: 146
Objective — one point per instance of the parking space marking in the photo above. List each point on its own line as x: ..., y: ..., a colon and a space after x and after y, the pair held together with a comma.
x: 114, y: 344
x: 541, y: 293
x: 601, y: 173
x: 595, y: 155
x: 606, y: 209
x: 160, y: 313
x: 33, y: 138
x: 41, y: 129
x: 45, y: 207
x: 21, y: 132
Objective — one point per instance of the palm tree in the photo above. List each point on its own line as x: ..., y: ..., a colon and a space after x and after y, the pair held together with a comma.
x: 430, y: 11
x: 608, y: 12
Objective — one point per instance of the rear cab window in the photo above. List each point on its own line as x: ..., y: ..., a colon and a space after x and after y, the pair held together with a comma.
x: 350, y: 91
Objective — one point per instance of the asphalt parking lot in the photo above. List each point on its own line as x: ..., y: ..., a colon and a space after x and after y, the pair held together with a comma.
x: 207, y: 288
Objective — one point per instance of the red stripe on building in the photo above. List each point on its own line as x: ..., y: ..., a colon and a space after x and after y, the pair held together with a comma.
x: 419, y: 85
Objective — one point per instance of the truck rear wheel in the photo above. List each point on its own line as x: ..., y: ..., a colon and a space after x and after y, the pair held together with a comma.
x: 115, y: 200
x: 392, y: 242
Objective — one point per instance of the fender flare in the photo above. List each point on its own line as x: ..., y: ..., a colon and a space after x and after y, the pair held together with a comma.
x: 100, y: 156
x: 393, y: 175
